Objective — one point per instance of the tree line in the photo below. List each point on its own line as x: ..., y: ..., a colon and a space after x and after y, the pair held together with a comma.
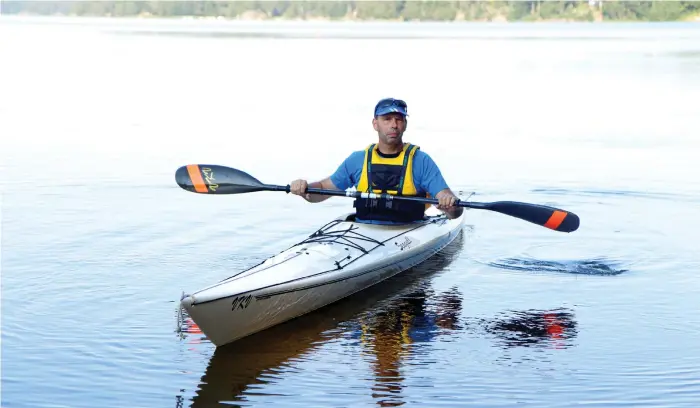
x: 400, y: 10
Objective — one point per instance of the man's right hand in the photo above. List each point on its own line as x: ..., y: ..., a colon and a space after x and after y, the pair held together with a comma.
x: 298, y: 187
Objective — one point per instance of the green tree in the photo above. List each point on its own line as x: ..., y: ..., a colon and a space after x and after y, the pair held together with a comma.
x: 386, y: 10
x: 612, y: 10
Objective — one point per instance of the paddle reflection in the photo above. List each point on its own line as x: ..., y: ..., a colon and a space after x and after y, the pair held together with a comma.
x: 552, y: 328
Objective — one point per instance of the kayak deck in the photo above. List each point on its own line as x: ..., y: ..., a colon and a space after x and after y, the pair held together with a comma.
x: 333, y: 247
x: 338, y: 259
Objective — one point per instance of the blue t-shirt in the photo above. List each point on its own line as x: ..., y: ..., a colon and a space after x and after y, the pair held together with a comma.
x: 426, y: 174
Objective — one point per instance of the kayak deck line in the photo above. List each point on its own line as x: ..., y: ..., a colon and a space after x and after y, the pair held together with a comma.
x: 417, y: 255
x: 322, y: 235
x: 428, y: 221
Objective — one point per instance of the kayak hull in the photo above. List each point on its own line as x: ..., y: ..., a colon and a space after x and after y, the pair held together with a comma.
x: 336, y: 261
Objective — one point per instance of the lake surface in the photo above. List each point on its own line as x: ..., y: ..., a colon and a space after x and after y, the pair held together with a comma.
x: 99, y: 243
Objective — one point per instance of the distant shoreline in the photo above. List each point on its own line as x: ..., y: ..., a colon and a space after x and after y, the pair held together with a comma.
x: 149, y: 17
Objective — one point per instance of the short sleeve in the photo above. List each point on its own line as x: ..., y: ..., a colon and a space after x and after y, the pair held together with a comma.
x: 349, y: 171
x: 427, y: 175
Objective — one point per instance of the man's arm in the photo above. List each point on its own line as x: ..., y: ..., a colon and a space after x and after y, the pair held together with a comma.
x: 432, y: 181
x: 325, y: 184
x: 342, y: 179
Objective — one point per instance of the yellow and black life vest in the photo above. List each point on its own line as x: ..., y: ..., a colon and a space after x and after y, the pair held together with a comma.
x: 389, y: 174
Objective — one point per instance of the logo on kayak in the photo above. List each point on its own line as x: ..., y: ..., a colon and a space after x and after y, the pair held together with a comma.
x: 209, y: 178
x: 241, y: 302
x: 405, y: 244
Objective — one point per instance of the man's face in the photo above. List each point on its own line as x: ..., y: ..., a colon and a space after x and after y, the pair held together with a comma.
x: 390, y: 128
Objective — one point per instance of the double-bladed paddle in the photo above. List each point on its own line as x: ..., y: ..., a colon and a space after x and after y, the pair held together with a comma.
x: 215, y: 179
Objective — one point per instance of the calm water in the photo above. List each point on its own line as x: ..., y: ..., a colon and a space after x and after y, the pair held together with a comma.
x: 98, y: 242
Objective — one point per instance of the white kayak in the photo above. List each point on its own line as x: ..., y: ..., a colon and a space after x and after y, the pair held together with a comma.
x: 341, y: 258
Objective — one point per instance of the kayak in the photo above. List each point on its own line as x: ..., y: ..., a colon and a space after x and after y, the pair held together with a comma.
x: 339, y: 259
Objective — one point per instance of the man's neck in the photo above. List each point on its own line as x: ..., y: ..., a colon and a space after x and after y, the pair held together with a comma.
x: 389, y: 149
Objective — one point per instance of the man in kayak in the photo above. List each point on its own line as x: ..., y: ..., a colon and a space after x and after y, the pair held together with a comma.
x: 390, y: 166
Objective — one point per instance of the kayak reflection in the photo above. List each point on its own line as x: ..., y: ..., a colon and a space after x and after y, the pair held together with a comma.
x: 390, y: 322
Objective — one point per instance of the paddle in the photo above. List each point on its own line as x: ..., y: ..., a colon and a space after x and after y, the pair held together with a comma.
x: 215, y: 179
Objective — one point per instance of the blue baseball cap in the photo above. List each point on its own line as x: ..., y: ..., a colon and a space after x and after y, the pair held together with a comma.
x: 390, y: 105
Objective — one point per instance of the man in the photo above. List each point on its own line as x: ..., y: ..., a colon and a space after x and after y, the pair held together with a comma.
x: 390, y: 166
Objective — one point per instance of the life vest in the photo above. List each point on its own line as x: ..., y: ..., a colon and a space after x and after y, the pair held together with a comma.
x: 393, y: 175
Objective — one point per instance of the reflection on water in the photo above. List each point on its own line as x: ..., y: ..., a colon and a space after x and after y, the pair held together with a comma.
x: 391, y: 334
x: 533, y: 327
x: 389, y: 323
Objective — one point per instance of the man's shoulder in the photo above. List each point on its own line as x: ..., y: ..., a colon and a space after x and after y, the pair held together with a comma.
x: 357, y: 153
x: 354, y: 160
x: 356, y: 156
x: 421, y: 155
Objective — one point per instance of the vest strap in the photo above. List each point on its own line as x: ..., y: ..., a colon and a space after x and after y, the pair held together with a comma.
x: 405, y: 168
x: 370, y: 152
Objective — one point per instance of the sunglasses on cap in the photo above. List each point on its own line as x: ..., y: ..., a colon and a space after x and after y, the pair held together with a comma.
x: 390, y: 105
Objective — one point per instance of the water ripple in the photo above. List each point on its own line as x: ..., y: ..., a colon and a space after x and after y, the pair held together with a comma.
x: 601, y: 266
x: 618, y: 193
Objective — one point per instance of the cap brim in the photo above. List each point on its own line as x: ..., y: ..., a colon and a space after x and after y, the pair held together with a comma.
x: 391, y: 109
